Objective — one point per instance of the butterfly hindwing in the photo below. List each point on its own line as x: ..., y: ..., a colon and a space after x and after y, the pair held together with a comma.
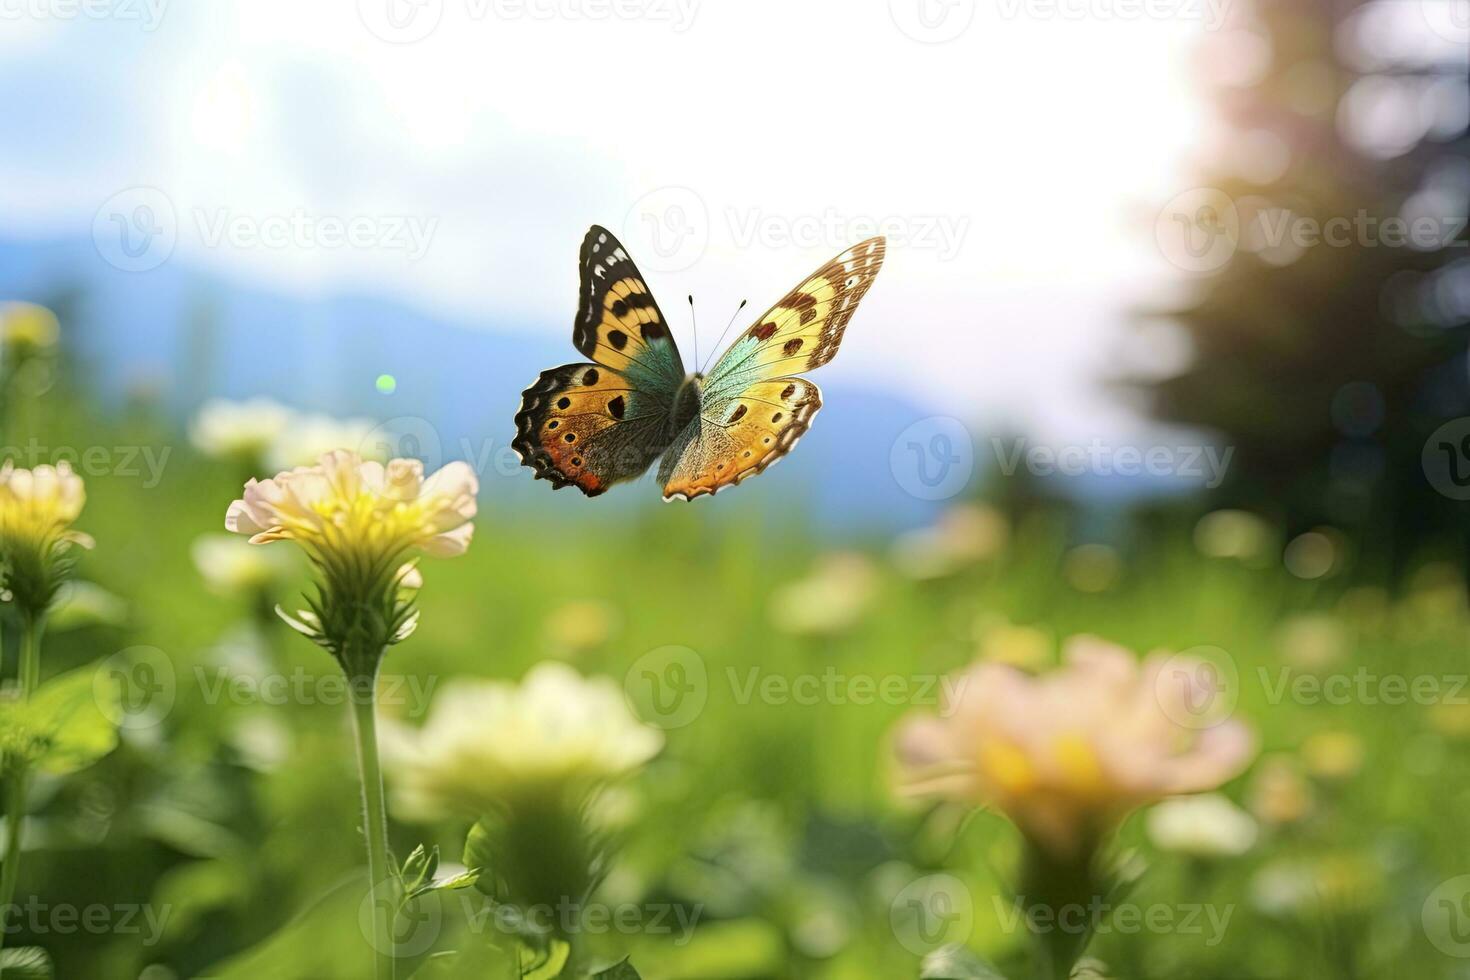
x: 736, y: 437
x: 589, y: 426
x: 619, y: 325
x: 753, y: 408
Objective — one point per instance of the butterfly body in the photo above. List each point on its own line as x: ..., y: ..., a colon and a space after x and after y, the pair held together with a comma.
x: 595, y: 424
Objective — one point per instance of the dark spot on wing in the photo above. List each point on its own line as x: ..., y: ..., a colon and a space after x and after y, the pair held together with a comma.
x: 618, y: 339
x: 763, y: 331
x: 805, y: 302
x: 616, y: 407
x: 791, y: 346
x: 619, y: 309
x: 776, y: 417
x: 563, y: 402
x: 654, y: 331
x: 788, y: 391
x: 738, y: 414
x: 590, y: 378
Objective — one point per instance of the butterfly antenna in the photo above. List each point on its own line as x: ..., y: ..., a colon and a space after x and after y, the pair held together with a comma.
x: 694, y: 326
x: 726, y: 330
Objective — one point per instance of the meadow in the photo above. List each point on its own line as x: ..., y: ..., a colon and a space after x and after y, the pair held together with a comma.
x: 766, y: 838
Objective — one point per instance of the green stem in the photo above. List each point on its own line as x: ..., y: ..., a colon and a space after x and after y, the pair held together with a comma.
x: 375, y: 821
x: 17, y: 783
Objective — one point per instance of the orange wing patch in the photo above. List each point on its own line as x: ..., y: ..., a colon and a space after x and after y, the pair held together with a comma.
x: 739, y: 437
x: 581, y: 425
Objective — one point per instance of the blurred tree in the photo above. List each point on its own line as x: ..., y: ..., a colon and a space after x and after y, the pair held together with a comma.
x: 1329, y: 362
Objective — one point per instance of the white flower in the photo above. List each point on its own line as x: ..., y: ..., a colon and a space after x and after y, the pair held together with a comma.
x: 238, y: 430
x: 1206, y: 826
x: 230, y: 566
x: 306, y: 437
x: 489, y: 744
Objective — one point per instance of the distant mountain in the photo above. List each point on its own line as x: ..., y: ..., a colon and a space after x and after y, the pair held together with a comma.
x: 190, y: 335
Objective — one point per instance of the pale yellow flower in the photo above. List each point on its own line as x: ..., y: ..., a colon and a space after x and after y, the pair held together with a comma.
x: 1204, y: 826
x: 37, y: 508
x: 344, y: 506
x: 490, y: 744
x: 831, y: 600
x: 1234, y: 534
x: 1067, y: 754
x: 40, y: 504
x: 238, y: 430
x: 575, y: 627
x: 963, y: 536
x: 1279, y: 794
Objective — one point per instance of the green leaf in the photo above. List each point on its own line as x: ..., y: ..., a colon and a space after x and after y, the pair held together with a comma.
x: 418, y: 869
x: 465, y: 879
x: 547, y: 964
x: 957, y: 963
x: 618, y: 971
x: 80, y: 706
x: 478, y: 853
x: 67, y: 725
x: 25, y: 963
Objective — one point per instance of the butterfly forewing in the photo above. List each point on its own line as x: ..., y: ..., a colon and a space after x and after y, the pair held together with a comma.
x: 619, y: 324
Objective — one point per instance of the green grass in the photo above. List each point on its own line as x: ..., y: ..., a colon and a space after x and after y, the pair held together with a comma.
x: 775, y: 819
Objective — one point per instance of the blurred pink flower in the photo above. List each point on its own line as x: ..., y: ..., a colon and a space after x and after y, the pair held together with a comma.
x: 1067, y: 754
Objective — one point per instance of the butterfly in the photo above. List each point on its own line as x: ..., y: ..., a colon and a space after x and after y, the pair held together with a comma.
x: 595, y: 424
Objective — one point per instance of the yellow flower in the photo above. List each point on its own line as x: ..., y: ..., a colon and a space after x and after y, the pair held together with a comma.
x: 37, y: 508
x: 1066, y: 755
x: 26, y: 326
x: 345, y: 508
x: 491, y: 744
x: 1334, y: 755
x: 581, y: 625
